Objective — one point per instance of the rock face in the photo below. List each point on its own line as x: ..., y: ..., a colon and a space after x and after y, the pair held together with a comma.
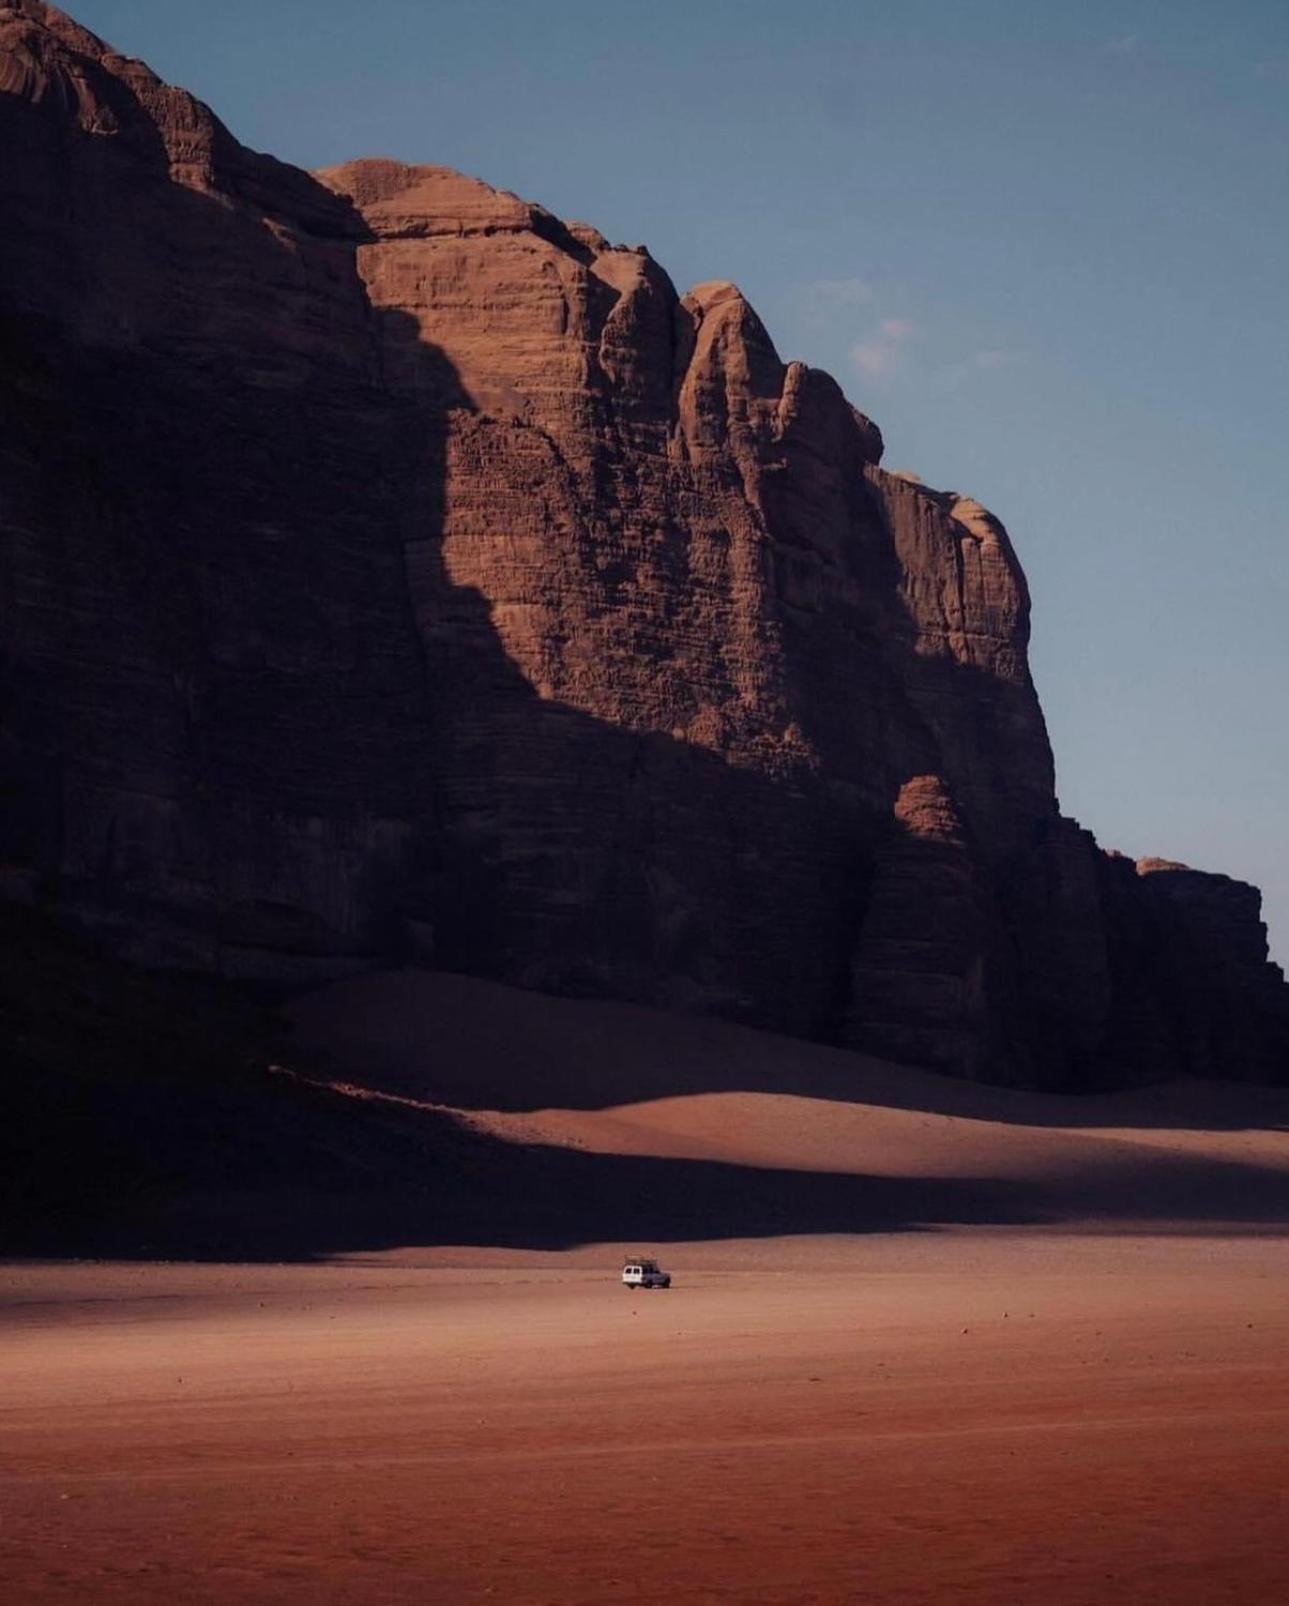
x: 393, y: 570
x: 215, y: 703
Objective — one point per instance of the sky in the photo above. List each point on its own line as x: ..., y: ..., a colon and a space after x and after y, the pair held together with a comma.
x: 1044, y: 246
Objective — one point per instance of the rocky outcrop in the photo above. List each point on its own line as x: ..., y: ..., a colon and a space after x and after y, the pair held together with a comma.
x: 920, y: 988
x: 394, y: 570
x: 1230, y: 1007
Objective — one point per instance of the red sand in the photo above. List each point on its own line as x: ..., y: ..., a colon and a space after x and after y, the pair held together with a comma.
x: 916, y: 1419
x: 620, y: 1079
x: 1068, y: 1415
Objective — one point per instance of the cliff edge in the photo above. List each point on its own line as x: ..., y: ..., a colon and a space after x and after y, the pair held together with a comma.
x: 395, y: 572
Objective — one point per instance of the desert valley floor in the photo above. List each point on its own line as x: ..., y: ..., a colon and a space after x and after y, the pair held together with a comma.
x: 1064, y: 1380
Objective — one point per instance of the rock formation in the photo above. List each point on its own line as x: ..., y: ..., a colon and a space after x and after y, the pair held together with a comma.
x: 393, y: 571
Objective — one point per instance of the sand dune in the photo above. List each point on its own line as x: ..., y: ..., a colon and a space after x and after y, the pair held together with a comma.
x: 616, y: 1079
x: 915, y: 1353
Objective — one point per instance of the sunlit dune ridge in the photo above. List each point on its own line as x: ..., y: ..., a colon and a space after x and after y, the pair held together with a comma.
x: 617, y: 1079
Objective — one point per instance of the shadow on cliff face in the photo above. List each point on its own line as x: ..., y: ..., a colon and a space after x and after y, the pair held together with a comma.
x: 588, y: 858
x: 290, y: 745
x: 214, y: 710
x: 263, y: 730
x: 585, y: 856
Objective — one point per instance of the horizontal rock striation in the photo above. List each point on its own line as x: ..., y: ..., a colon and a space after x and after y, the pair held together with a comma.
x: 393, y: 570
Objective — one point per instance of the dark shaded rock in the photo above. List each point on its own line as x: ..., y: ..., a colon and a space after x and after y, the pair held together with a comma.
x: 394, y: 570
x: 1230, y: 1013
x: 919, y: 988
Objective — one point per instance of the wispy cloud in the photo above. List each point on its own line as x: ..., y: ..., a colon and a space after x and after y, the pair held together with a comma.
x: 1123, y: 44
x: 1274, y: 69
x: 824, y: 300
x: 880, y: 354
x: 989, y: 359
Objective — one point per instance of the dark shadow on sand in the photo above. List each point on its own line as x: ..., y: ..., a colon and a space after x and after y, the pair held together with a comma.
x: 262, y: 1167
x: 477, y: 1045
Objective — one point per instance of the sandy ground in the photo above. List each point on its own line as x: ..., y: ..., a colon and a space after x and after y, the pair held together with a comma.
x: 612, y: 1079
x: 981, y: 1416
x: 1093, y: 1407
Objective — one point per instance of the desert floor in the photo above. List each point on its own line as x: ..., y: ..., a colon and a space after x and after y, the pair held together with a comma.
x: 966, y: 1416
x: 1047, y: 1361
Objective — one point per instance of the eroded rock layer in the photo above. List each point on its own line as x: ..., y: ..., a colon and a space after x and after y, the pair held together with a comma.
x: 394, y: 570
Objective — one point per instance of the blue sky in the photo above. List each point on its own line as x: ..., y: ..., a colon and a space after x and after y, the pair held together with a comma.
x: 1045, y: 246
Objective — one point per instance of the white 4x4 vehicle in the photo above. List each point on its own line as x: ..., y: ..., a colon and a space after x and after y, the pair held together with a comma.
x: 645, y: 1274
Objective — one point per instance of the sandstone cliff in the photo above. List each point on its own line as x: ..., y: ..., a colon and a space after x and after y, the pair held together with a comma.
x: 392, y: 570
